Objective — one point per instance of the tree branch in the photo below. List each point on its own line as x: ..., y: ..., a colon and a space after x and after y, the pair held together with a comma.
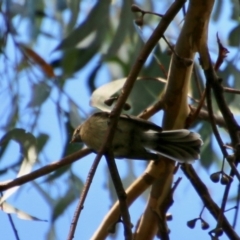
x: 135, y: 70
x: 192, y: 37
x: 45, y: 170
x: 213, y: 208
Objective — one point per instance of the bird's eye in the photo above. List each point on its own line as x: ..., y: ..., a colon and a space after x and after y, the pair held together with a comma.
x: 78, y: 131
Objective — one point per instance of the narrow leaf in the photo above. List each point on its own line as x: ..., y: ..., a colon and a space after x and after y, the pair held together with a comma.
x: 48, y: 70
x: 148, y: 87
x: 28, y: 148
x: 94, y: 21
x: 7, y: 208
x: 40, y: 93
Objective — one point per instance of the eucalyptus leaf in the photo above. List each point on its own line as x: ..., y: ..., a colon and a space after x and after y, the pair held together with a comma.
x: 234, y: 36
x: 73, y: 59
x: 218, y: 10
x: 75, y: 185
x: 208, y: 155
x: 156, y: 50
x: 40, y: 93
x: 73, y: 6
x: 74, y: 117
x: 144, y: 93
x: 28, y: 148
x: 122, y: 29
x: 7, y: 208
x: 94, y: 21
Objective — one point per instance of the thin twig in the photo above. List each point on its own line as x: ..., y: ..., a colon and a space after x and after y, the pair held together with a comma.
x: 204, y: 115
x: 159, y: 105
x: 13, y: 227
x: 121, y: 195
x: 223, y: 205
x: 224, y: 151
x: 147, y: 49
x: 237, y: 208
x: 192, y: 116
x: 212, y: 121
x: 212, y: 207
x: 11, y: 222
x: 233, y: 128
x: 135, y: 70
x: 231, y: 90
x: 231, y: 123
x: 83, y: 197
x: 45, y: 170
x: 184, y: 61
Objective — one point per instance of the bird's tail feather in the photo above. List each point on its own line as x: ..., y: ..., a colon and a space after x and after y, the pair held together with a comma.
x: 179, y: 145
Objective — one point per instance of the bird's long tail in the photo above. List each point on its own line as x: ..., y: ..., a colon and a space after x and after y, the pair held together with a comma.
x: 179, y: 145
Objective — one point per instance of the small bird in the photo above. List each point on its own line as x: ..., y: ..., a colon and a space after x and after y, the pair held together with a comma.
x: 136, y: 138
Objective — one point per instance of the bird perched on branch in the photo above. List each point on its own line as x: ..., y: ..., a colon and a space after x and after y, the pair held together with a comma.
x: 136, y: 138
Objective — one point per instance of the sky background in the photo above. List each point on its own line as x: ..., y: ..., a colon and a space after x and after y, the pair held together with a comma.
x: 31, y: 199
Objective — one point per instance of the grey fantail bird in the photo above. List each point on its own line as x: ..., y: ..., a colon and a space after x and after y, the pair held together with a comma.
x: 136, y: 138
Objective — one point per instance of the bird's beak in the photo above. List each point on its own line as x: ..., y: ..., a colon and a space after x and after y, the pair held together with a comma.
x: 76, y: 137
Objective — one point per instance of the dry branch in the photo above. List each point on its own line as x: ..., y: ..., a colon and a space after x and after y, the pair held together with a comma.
x: 192, y: 39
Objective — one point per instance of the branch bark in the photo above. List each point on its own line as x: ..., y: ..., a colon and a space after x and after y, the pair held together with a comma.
x: 45, y: 170
x: 150, y: 44
x: 193, y: 38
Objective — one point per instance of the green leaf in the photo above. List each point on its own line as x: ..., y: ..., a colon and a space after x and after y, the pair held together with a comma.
x: 74, y: 59
x: 149, y: 88
x: 24, y: 139
x: 217, y: 10
x: 208, y: 155
x: 234, y: 36
x: 61, y: 5
x: 230, y: 72
x: 41, y: 141
x: 72, y: 193
x: 94, y: 21
x: 73, y: 6
x: 74, y: 117
x: 93, y: 77
x: 40, y: 93
x: 235, y: 10
x: 158, y: 58
x: 28, y: 148
x: 56, y: 174
x: 69, y: 147
x: 7, y: 208
x: 125, y: 24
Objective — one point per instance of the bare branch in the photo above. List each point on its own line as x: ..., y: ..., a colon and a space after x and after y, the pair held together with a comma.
x: 192, y: 38
x: 121, y: 195
x: 150, y: 44
x: 45, y: 170
x: 202, y: 191
x: 83, y: 198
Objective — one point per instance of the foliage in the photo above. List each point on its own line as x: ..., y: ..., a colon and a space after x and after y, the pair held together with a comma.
x: 55, y: 54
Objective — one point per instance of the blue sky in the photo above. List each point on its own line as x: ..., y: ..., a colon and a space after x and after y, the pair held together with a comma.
x: 30, y: 198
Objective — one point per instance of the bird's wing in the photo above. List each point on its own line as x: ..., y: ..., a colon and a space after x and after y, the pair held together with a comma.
x: 144, y: 125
